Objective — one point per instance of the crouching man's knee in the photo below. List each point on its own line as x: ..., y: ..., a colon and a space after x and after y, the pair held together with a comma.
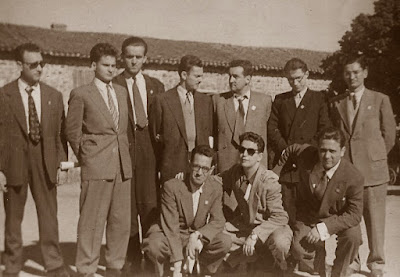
x: 279, y: 243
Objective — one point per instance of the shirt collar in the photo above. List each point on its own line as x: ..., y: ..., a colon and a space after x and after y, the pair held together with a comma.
x: 358, y: 94
x: 23, y: 85
x: 247, y: 94
x: 330, y: 172
x: 200, y: 190
x: 139, y: 76
x: 302, y: 92
x: 100, y: 84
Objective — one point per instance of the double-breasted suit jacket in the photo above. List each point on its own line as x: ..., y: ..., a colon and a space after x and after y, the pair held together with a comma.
x: 168, y: 127
x: 15, y: 134
x: 288, y: 124
x: 93, y: 136
x: 372, y: 135
x: 256, y: 121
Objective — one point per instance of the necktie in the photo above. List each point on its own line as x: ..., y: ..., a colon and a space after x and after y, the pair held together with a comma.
x: 297, y: 99
x: 34, y: 125
x: 354, y: 101
x: 111, y: 106
x: 141, y: 117
x: 321, y: 187
x: 239, y: 122
x: 188, y: 102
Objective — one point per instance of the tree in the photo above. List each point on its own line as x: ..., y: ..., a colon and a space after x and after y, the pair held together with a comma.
x: 377, y: 37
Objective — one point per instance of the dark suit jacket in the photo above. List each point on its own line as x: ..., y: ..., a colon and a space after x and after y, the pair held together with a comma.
x: 372, y: 135
x: 15, y: 133
x: 168, y: 127
x: 256, y: 121
x: 342, y: 204
x: 288, y: 124
x: 92, y: 134
x: 153, y: 88
x: 177, y: 219
x: 262, y: 220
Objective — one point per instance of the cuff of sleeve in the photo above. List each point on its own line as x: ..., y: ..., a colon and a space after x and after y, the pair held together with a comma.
x: 261, y: 236
x: 323, y: 231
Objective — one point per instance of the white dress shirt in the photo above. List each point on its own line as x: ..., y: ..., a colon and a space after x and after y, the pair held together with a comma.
x: 36, y: 99
x: 196, y: 199
x: 102, y: 87
x: 141, y: 84
x: 245, y: 103
x: 299, y: 96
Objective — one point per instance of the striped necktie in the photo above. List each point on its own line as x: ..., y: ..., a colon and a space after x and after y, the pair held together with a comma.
x: 112, y: 108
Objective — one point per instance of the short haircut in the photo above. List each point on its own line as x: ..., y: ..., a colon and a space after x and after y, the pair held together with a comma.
x: 204, y: 150
x: 253, y: 137
x: 355, y: 59
x: 187, y: 62
x: 332, y: 133
x: 134, y: 41
x: 245, y: 64
x: 101, y: 50
x: 294, y: 64
x: 26, y: 47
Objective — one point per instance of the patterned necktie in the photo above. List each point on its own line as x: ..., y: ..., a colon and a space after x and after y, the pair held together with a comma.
x: 34, y: 125
x: 239, y: 122
x: 320, y: 189
x: 141, y: 117
x: 188, y: 102
x: 111, y: 106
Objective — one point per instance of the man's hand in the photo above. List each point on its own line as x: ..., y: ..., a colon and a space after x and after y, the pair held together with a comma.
x: 3, y: 182
x: 179, y: 176
x: 193, y: 245
x: 249, y: 246
x: 313, y: 236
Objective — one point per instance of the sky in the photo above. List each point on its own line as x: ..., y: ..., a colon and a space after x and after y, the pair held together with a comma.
x: 306, y: 24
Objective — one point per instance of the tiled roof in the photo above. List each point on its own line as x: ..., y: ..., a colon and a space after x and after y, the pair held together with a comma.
x: 58, y: 43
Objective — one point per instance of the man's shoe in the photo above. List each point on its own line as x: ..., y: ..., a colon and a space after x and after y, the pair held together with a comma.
x: 376, y: 272
x: 58, y: 272
x: 113, y: 272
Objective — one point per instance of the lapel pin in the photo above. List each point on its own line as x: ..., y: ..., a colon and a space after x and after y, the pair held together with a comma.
x: 344, y: 199
x: 206, y: 202
x: 314, y: 185
x: 337, y: 190
x: 49, y: 103
x: 253, y: 108
x: 302, y: 107
x: 369, y: 107
x: 151, y: 91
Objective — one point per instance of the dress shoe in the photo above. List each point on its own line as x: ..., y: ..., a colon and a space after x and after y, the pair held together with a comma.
x: 376, y: 273
x: 58, y: 272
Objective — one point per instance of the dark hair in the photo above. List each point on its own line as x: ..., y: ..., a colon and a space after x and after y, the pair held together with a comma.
x: 187, y: 62
x: 134, y: 41
x: 102, y: 49
x: 204, y: 150
x: 253, y: 137
x: 28, y: 47
x: 245, y: 64
x: 355, y: 59
x: 294, y: 64
x: 332, y: 133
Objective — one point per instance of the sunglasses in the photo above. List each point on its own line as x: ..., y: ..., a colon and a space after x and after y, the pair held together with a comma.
x: 35, y: 64
x: 250, y: 151
x: 197, y: 168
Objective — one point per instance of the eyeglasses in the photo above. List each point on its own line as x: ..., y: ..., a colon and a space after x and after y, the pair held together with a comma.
x: 250, y: 151
x: 35, y: 64
x: 197, y: 168
x: 298, y: 79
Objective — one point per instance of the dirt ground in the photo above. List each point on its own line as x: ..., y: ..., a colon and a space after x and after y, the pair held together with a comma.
x: 68, y: 196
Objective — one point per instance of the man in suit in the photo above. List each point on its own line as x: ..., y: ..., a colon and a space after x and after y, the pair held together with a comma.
x: 296, y: 117
x: 366, y: 118
x: 144, y: 188
x: 181, y: 119
x: 238, y: 111
x: 96, y: 127
x: 32, y: 116
x: 259, y: 224
x: 329, y: 201
x: 191, y: 218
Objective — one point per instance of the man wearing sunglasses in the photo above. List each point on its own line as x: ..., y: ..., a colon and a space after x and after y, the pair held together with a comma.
x: 258, y: 230
x: 191, y: 219
x: 31, y: 154
x: 296, y: 117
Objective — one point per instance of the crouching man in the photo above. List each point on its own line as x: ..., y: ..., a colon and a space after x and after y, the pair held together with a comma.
x: 259, y: 224
x: 329, y: 201
x: 191, y: 219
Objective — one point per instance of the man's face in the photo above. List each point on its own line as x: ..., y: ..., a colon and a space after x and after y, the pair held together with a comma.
x: 200, y: 169
x: 297, y: 79
x: 330, y: 153
x: 133, y: 58
x: 192, y: 78
x: 249, y: 155
x: 31, y: 67
x: 237, y: 80
x: 354, y: 75
x: 105, y: 68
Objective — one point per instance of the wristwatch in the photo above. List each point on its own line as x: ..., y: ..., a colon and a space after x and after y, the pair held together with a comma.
x: 253, y: 236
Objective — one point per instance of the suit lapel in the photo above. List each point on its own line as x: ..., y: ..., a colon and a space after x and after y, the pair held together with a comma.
x: 150, y: 91
x: 250, y: 112
x: 204, y: 207
x: 18, y: 107
x: 342, y: 109
x: 187, y: 204
x: 253, y: 198
x: 122, y: 111
x: 230, y: 113
x: 300, y: 112
x: 99, y: 101
x: 290, y: 106
x: 120, y: 80
x: 366, y: 101
x: 333, y: 188
x: 46, y: 104
x: 176, y: 109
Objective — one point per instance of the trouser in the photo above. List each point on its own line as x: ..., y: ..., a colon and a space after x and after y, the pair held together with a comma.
x: 44, y: 194
x: 374, y: 216
x: 156, y: 247
x: 144, y: 193
x: 277, y: 245
x: 289, y: 194
x: 313, y: 255
x: 101, y: 202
